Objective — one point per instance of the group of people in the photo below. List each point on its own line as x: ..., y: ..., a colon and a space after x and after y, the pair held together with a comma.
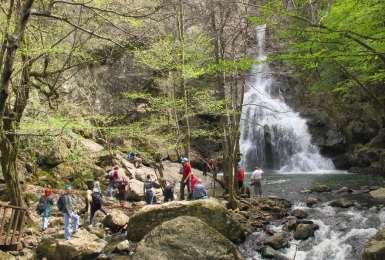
x: 135, y: 158
x: 65, y: 204
x: 119, y: 181
x: 256, y: 180
x: 195, y: 188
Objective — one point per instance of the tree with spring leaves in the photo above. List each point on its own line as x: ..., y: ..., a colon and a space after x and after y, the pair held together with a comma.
x: 42, y: 44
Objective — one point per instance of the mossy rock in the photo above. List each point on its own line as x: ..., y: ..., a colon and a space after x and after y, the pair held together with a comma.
x: 186, y: 237
x: 210, y: 211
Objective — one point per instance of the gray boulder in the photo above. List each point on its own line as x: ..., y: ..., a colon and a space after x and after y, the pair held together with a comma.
x: 210, y: 211
x: 378, y: 194
x: 116, y: 220
x: 375, y: 249
x: 304, y: 231
x: 83, y: 245
x: 185, y: 237
x: 342, y: 203
x: 299, y: 213
x: 278, y: 240
x: 311, y: 201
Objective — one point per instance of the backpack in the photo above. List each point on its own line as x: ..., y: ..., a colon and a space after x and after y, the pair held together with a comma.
x: 61, y: 204
x: 96, y: 198
x: 41, y: 206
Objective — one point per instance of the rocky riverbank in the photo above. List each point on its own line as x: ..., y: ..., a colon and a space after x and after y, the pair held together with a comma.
x: 327, y: 222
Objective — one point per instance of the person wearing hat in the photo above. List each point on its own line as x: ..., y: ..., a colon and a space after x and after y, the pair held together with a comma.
x: 65, y: 205
x: 186, y: 171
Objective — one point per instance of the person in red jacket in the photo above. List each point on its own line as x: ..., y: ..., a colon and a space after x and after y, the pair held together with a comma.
x: 240, y: 177
x: 186, y: 172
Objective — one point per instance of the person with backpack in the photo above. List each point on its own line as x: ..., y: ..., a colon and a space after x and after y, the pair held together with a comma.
x: 97, y: 202
x: 114, y: 179
x: 65, y: 205
x: 168, y: 192
x: 44, y: 207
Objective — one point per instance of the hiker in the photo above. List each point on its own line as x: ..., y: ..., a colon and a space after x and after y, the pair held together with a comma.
x: 114, y: 178
x: 86, y: 210
x: 256, y: 179
x: 148, y: 191
x: 240, y: 177
x: 209, y: 167
x: 44, y: 207
x: 138, y: 160
x: 130, y: 156
x: 199, y: 191
x: 65, y: 205
x: 123, y: 185
x: 96, y: 202
x: 168, y: 191
x: 186, y: 172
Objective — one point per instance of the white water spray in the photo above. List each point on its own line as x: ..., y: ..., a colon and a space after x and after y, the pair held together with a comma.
x: 272, y: 134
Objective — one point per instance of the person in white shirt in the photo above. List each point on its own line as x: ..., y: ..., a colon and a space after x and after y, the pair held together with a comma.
x: 256, y: 179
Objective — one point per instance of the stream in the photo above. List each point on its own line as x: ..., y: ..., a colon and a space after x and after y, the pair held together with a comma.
x: 342, y: 233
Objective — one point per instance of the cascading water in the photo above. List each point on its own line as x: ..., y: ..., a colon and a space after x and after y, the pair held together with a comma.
x: 272, y: 134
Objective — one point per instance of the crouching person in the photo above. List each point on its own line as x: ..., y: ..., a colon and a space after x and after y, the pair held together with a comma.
x: 199, y: 191
x: 65, y: 205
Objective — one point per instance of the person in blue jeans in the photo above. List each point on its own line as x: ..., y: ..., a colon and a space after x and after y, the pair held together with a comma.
x: 65, y: 205
x: 148, y: 186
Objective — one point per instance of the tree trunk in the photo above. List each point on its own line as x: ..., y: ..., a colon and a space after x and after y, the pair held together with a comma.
x: 9, y: 149
x: 180, y: 25
x: 9, y: 120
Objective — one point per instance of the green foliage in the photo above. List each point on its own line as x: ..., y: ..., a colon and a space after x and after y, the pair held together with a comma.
x: 339, y: 46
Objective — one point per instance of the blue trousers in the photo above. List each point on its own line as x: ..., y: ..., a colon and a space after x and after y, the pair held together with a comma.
x: 74, y: 218
x: 149, y: 197
x: 45, y: 222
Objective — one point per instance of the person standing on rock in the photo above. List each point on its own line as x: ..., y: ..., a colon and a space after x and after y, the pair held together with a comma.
x: 209, y: 167
x: 44, y: 207
x: 256, y: 179
x: 86, y: 209
x: 97, y: 202
x: 114, y: 179
x: 240, y: 177
x: 148, y: 191
x: 65, y: 205
x: 186, y: 172
x: 168, y: 192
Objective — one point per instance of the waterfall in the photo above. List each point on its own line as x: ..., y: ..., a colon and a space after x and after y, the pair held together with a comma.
x: 273, y: 136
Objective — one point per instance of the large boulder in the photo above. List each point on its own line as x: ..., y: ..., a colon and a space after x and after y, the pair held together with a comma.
x: 305, y: 230
x: 378, y: 194
x: 6, y: 256
x: 299, y: 213
x: 55, y: 155
x: 116, y: 220
x: 185, y: 237
x: 210, y: 211
x: 83, y: 245
x: 278, y: 240
x: 341, y: 203
x: 375, y: 249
